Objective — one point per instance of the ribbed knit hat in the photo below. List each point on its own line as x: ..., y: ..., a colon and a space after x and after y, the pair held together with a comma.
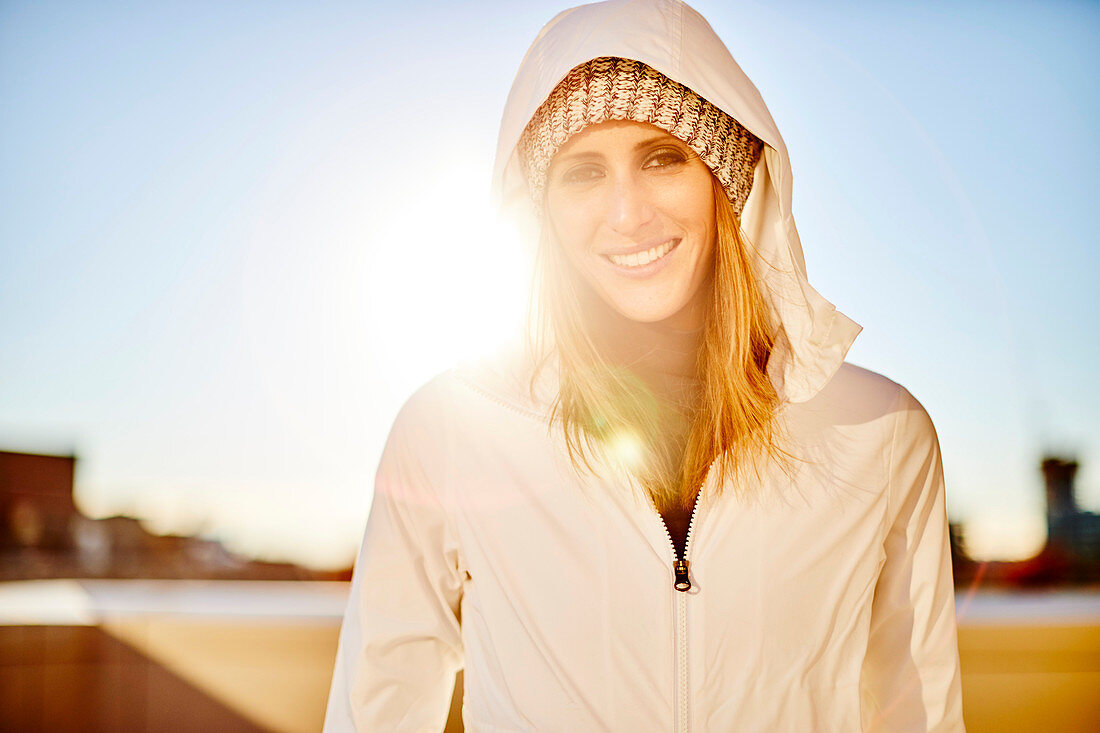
x: 612, y: 88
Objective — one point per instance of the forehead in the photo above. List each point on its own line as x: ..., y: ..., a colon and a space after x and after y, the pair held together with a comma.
x: 614, y: 136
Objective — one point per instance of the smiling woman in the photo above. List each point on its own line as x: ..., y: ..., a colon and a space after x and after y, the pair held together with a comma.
x: 678, y: 508
x: 631, y: 207
x: 631, y: 252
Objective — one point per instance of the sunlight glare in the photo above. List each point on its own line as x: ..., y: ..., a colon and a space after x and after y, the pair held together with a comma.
x: 626, y: 449
x: 446, y: 280
x: 1015, y: 537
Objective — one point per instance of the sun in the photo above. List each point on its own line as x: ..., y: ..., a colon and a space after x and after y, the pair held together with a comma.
x: 446, y: 279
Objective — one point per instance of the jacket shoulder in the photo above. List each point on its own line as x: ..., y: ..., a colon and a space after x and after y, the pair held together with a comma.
x: 464, y: 401
x: 868, y: 428
x: 432, y: 406
x: 424, y: 437
x: 511, y: 377
x: 856, y: 395
x: 861, y: 394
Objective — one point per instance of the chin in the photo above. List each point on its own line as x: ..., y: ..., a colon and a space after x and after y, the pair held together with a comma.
x: 646, y: 315
x: 679, y: 298
x: 649, y: 312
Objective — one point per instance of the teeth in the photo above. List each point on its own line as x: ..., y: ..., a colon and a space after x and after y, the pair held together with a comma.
x: 639, y: 259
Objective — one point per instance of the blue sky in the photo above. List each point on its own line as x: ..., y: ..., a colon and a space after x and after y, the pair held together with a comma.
x: 235, y: 236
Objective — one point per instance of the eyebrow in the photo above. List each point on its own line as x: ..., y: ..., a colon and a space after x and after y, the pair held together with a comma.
x: 656, y: 139
x: 591, y: 154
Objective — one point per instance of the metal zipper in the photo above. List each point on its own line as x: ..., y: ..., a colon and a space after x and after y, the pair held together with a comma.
x: 681, y: 578
x: 682, y: 724
x: 682, y: 584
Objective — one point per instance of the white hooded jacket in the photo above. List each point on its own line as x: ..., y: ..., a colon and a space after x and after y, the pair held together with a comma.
x: 821, y: 601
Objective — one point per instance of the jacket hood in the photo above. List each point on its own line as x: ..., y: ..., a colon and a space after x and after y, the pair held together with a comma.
x: 674, y: 39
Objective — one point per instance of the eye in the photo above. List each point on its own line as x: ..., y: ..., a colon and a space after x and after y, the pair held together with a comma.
x: 665, y: 158
x: 581, y: 174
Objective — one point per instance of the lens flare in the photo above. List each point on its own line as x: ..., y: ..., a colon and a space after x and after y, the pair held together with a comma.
x: 626, y: 449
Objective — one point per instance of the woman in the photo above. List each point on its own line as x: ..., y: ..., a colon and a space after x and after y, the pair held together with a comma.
x: 680, y: 509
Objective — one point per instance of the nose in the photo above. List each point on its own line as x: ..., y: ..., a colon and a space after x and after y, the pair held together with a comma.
x: 628, y: 208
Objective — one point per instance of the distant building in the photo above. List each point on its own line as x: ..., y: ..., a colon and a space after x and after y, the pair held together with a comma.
x: 43, y: 535
x: 36, y: 501
x: 1071, y: 554
x: 1075, y: 531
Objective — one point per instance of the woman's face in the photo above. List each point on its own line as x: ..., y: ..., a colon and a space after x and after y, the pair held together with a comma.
x: 633, y: 209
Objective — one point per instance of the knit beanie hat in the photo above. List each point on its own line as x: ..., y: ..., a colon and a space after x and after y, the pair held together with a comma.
x: 612, y: 88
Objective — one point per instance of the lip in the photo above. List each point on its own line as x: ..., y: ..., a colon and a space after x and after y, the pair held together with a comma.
x: 647, y: 270
x: 643, y: 247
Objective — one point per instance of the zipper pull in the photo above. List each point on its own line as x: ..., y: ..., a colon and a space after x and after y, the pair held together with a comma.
x: 683, y: 582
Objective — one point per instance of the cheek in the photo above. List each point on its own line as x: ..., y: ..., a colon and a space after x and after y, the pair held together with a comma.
x: 698, y: 208
x: 569, y: 230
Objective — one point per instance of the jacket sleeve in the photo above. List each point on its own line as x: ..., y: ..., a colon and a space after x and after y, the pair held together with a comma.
x: 910, y: 679
x: 400, y: 642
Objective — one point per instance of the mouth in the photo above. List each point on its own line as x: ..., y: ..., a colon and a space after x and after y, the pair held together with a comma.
x: 638, y: 260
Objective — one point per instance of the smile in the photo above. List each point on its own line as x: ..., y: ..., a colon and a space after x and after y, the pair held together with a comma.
x: 640, y: 259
